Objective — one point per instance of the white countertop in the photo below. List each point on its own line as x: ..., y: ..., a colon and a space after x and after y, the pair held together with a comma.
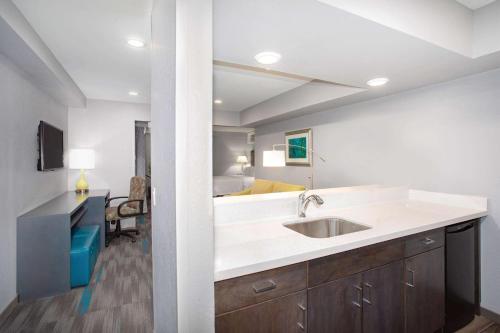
x: 256, y: 245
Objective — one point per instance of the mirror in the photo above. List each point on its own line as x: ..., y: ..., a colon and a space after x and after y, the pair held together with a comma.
x: 279, y: 162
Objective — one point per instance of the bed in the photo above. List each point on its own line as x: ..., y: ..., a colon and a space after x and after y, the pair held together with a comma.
x: 229, y: 184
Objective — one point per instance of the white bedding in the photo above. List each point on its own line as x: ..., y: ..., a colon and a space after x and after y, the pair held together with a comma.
x: 230, y: 184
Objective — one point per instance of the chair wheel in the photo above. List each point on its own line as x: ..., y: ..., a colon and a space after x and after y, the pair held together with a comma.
x: 133, y: 240
x: 106, y: 244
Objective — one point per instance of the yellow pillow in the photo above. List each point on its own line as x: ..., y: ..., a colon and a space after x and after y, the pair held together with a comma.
x: 261, y: 186
x: 284, y: 187
x: 244, y: 192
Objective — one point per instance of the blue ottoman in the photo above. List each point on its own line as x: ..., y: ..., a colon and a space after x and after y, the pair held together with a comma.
x: 85, y: 247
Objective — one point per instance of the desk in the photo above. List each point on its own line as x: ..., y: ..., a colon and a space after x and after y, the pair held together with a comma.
x: 44, y: 241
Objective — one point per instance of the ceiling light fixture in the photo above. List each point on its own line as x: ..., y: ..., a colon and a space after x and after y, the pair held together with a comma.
x: 133, y: 93
x: 136, y: 43
x: 268, y: 58
x: 218, y: 101
x: 380, y: 81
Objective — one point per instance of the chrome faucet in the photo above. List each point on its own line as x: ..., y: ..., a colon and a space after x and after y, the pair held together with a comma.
x: 305, y: 200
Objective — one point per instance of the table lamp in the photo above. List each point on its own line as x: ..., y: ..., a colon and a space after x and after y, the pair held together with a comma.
x: 82, y: 159
x: 242, y: 159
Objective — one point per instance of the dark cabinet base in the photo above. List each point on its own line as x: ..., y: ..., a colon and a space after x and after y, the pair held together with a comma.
x: 391, y: 287
x: 284, y: 314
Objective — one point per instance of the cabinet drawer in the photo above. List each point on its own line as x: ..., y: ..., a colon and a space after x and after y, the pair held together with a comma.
x: 250, y: 289
x: 282, y: 315
x: 424, y: 242
x: 343, y: 264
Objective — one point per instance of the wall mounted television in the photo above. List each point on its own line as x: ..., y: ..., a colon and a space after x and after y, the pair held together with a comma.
x: 50, y: 147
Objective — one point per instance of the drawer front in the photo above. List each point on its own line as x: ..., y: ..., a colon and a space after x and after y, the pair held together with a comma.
x: 424, y: 242
x: 250, y: 289
x: 343, y: 264
x: 282, y: 315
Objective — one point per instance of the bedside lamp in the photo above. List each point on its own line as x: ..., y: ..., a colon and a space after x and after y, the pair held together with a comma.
x: 82, y: 159
x: 242, y: 159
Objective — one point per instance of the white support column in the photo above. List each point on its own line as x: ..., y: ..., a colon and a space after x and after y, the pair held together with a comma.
x: 195, y: 259
x: 181, y: 144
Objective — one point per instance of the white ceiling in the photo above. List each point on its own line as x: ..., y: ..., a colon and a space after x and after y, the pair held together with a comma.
x: 323, y: 42
x: 240, y: 89
x: 475, y: 4
x: 332, y: 40
x: 89, y: 38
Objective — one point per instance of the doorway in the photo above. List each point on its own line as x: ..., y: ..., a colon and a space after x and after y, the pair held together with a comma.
x: 143, y: 153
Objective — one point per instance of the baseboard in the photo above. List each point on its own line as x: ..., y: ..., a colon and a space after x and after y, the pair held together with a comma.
x: 490, y: 315
x: 8, y: 309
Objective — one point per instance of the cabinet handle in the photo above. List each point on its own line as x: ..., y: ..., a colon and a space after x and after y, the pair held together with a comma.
x: 359, y: 292
x: 412, y: 283
x: 368, y: 299
x: 428, y: 241
x: 262, y: 286
x: 303, y: 309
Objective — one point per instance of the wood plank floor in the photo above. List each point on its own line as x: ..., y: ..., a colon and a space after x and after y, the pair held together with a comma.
x: 481, y: 325
x: 118, y: 299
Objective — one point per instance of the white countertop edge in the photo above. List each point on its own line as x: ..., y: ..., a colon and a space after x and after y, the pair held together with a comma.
x: 293, y: 259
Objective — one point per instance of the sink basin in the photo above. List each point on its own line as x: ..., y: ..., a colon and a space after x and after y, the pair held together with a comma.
x: 326, y: 227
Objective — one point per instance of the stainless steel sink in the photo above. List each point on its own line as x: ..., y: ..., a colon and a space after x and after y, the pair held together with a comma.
x: 326, y: 227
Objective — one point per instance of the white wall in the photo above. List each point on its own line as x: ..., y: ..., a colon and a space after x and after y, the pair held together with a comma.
x: 109, y: 129
x: 487, y: 29
x: 227, y: 146
x: 22, y: 186
x: 441, y: 138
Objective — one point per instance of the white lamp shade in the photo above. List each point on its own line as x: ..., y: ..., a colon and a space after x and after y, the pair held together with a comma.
x: 81, y: 159
x: 273, y: 158
x: 242, y: 159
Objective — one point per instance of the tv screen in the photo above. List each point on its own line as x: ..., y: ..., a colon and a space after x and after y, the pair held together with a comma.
x: 50, y: 147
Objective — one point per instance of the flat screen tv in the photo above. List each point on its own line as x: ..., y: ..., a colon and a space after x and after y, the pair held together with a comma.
x: 50, y: 147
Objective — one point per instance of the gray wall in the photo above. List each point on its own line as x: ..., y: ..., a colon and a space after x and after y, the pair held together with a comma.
x: 226, y: 118
x: 22, y: 186
x: 164, y: 229
x: 443, y: 137
x: 227, y: 146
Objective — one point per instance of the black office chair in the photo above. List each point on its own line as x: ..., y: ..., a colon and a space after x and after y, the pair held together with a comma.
x: 132, y: 207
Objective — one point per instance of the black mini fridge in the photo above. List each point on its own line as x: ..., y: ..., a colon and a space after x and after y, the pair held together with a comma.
x: 462, y: 274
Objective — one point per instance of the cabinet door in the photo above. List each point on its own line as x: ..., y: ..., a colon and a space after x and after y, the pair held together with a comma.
x: 336, y: 306
x: 383, y: 299
x: 425, y: 292
x: 286, y: 314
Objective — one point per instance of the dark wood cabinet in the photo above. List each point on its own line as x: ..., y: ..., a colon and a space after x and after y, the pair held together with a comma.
x: 286, y: 314
x: 425, y: 292
x: 365, y: 302
x: 336, y: 306
x: 390, y: 287
x: 383, y: 299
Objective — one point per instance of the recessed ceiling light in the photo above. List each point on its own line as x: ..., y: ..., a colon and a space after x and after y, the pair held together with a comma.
x: 133, y: 93
x: 268, y: 58
x: 218, y: 101
x: 136, y: 43
x: 379, y: 81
